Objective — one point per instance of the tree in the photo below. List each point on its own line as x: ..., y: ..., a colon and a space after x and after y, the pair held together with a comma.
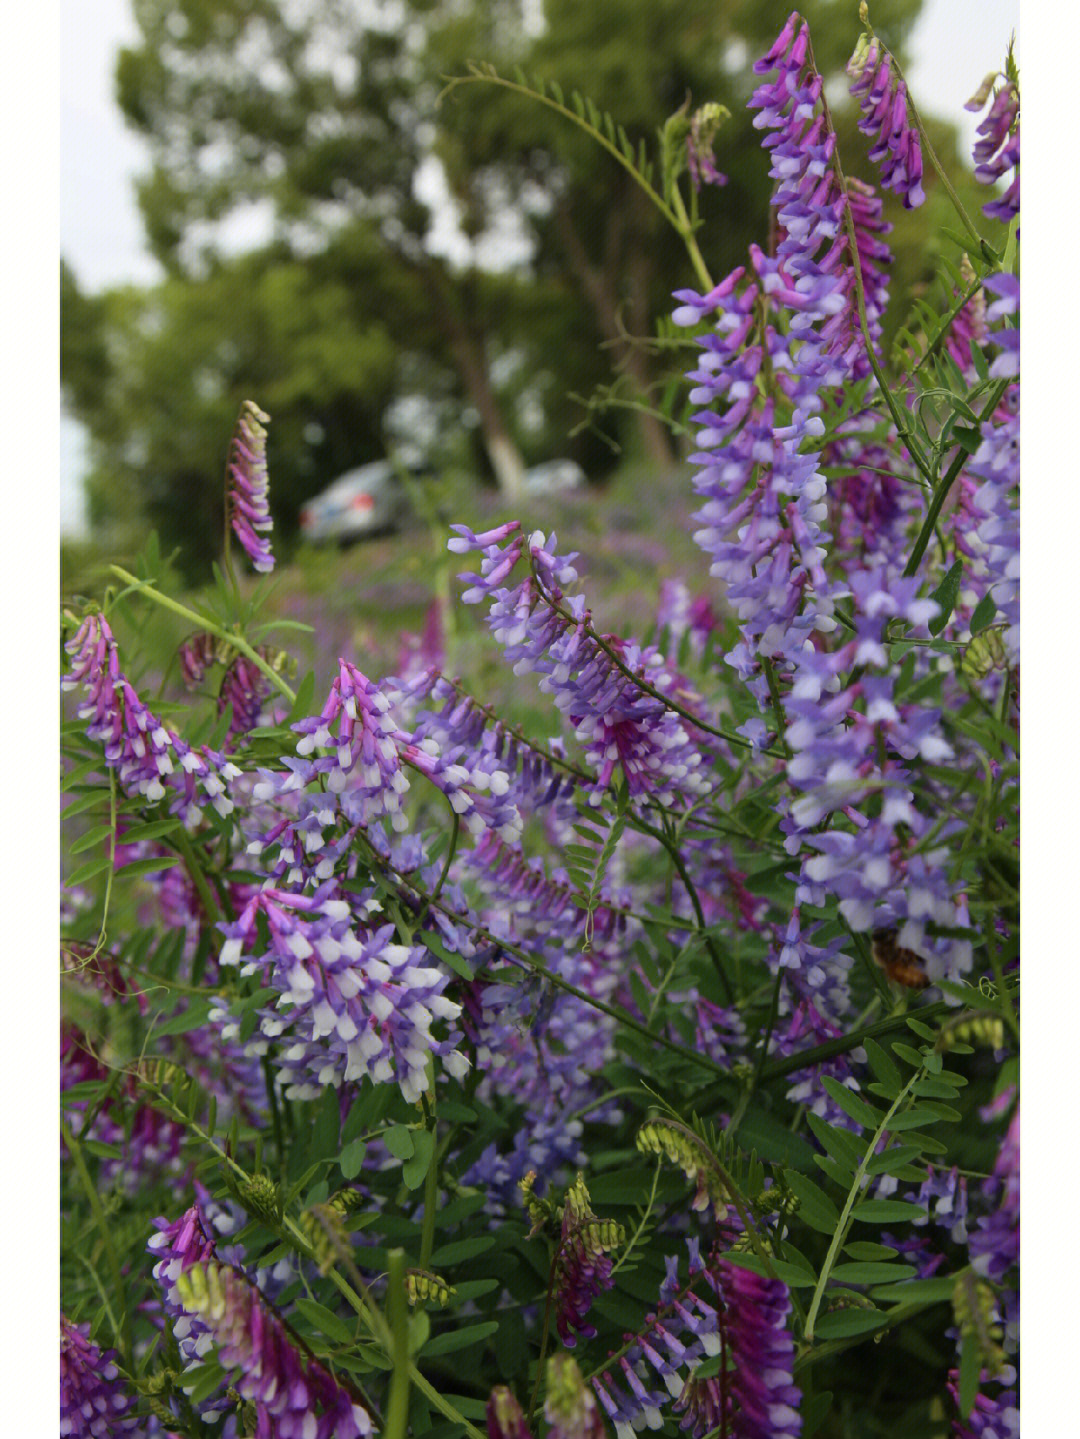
x: 319, y: 116
x: 178, y: 360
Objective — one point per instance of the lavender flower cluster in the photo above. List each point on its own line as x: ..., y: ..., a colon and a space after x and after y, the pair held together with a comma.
x: 419, y: 964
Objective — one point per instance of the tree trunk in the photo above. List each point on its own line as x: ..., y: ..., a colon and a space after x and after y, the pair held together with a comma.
x: 602, y: 295
x: 466, y: 344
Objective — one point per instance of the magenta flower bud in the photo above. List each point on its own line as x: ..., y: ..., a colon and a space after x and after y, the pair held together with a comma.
x: 246, y: 499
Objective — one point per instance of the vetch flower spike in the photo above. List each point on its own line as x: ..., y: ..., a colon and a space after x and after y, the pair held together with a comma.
x: 246, y: 501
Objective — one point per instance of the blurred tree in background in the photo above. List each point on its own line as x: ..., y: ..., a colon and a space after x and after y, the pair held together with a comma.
x: 314, y: 126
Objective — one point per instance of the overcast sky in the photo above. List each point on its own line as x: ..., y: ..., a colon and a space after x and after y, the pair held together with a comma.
x: 956, y: 43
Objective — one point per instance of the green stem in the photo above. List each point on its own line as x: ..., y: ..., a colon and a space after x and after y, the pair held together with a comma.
x: 640, y: 682
x: 444, y: 1406
x: 945, y: 484
x: 431, y: 1179
x: 832, y: 1047
x: 678, y: 218
x: 840, y: 1233
x: 397, y: 1406
x: 74, y: 1148
x: 684, y: 874
x: 182, y: 844
x: 193, y: 617
x: 686, y: 231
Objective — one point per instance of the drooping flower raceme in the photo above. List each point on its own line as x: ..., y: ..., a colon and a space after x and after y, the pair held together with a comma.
x: 544, y: 631
x: 352, y: 1002
x: 249, y: 483
x: 295, y: 1397
x: 150, y: 759
x: 884, y: 102
x: 997, y: 150
x: 741, y: 1317
x: 94, y: 1403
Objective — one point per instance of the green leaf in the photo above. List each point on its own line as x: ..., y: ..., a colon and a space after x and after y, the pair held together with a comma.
x: 815, y: 1207
x: 194, y: 1017
x: 419, y: 1330
x: 892, y: 1158
x: 793, y: 1275
x: 867, y: 1272
x: 415, y: 1168
x: 942, y: 1113
x: 79, y: 773
x: 511, y: 1344
x: 912, y: 1118
x: 305, y: 693
x: 837, y: 1142
x: 454, y: 1339
x: 816, y: 1408
x: 201, y: 1381
x: 351, y: 1158
x: 918, y: 1291
x: 460, y: 1250
x: 854, y: 1107
x: 905, y: 1051
x: 400, y: 1141
x: 983, y: 616
x: 326, y: 1322
x: 327, y: 1126
x: 848, y: 1323
x: 887, y: 1211
x: 147, y: 866
x: 86, y: 871
x: 863, y: 1249
x: 156, y: 829
x: 92, y: 837
x: 934, y: 1087
x: 840, y: 1174
x: 884, y: 1068
x: 472, y: 1289
x: 968, y: 1387
x: 948, y: 589
x: 94, y: 800
x: 449, y: 958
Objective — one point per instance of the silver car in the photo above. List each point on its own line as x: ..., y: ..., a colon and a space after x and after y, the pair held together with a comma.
x: 554, y: 477
x: 364, y: 501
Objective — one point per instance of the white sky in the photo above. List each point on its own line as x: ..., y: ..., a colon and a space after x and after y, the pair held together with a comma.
x: 956, y: 43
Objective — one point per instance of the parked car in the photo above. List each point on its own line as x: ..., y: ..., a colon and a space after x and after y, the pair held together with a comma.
x: 366, y: 501
x: 554, y: 477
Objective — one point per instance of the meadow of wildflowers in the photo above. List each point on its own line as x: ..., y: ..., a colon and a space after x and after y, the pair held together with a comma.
x: 650, y: 1066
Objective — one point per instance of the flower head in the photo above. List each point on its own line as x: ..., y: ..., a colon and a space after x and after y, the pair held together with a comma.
x: 93, y: 1401
x: 248, y: 510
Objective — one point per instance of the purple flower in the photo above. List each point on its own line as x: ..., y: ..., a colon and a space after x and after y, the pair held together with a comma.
x: 246, y: 501
x: 295, y: 1397
x: 883, y: 100
x: 582, y: 1265
x: 704, y: 126
x: 595, y: 685
x: 150, y: 759
x: 995, y: 1242
x: 353, y: 1003
x: 744, y: 1321
x: 993, y: 1416
x: 997, y: 150
x: 243, y: 685
x: 93, y: 1401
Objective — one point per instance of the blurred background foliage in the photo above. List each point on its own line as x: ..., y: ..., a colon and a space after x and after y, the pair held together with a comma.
x: 359, y: 317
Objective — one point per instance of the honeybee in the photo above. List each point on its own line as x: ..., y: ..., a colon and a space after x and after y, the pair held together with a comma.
x: 903, y: 966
